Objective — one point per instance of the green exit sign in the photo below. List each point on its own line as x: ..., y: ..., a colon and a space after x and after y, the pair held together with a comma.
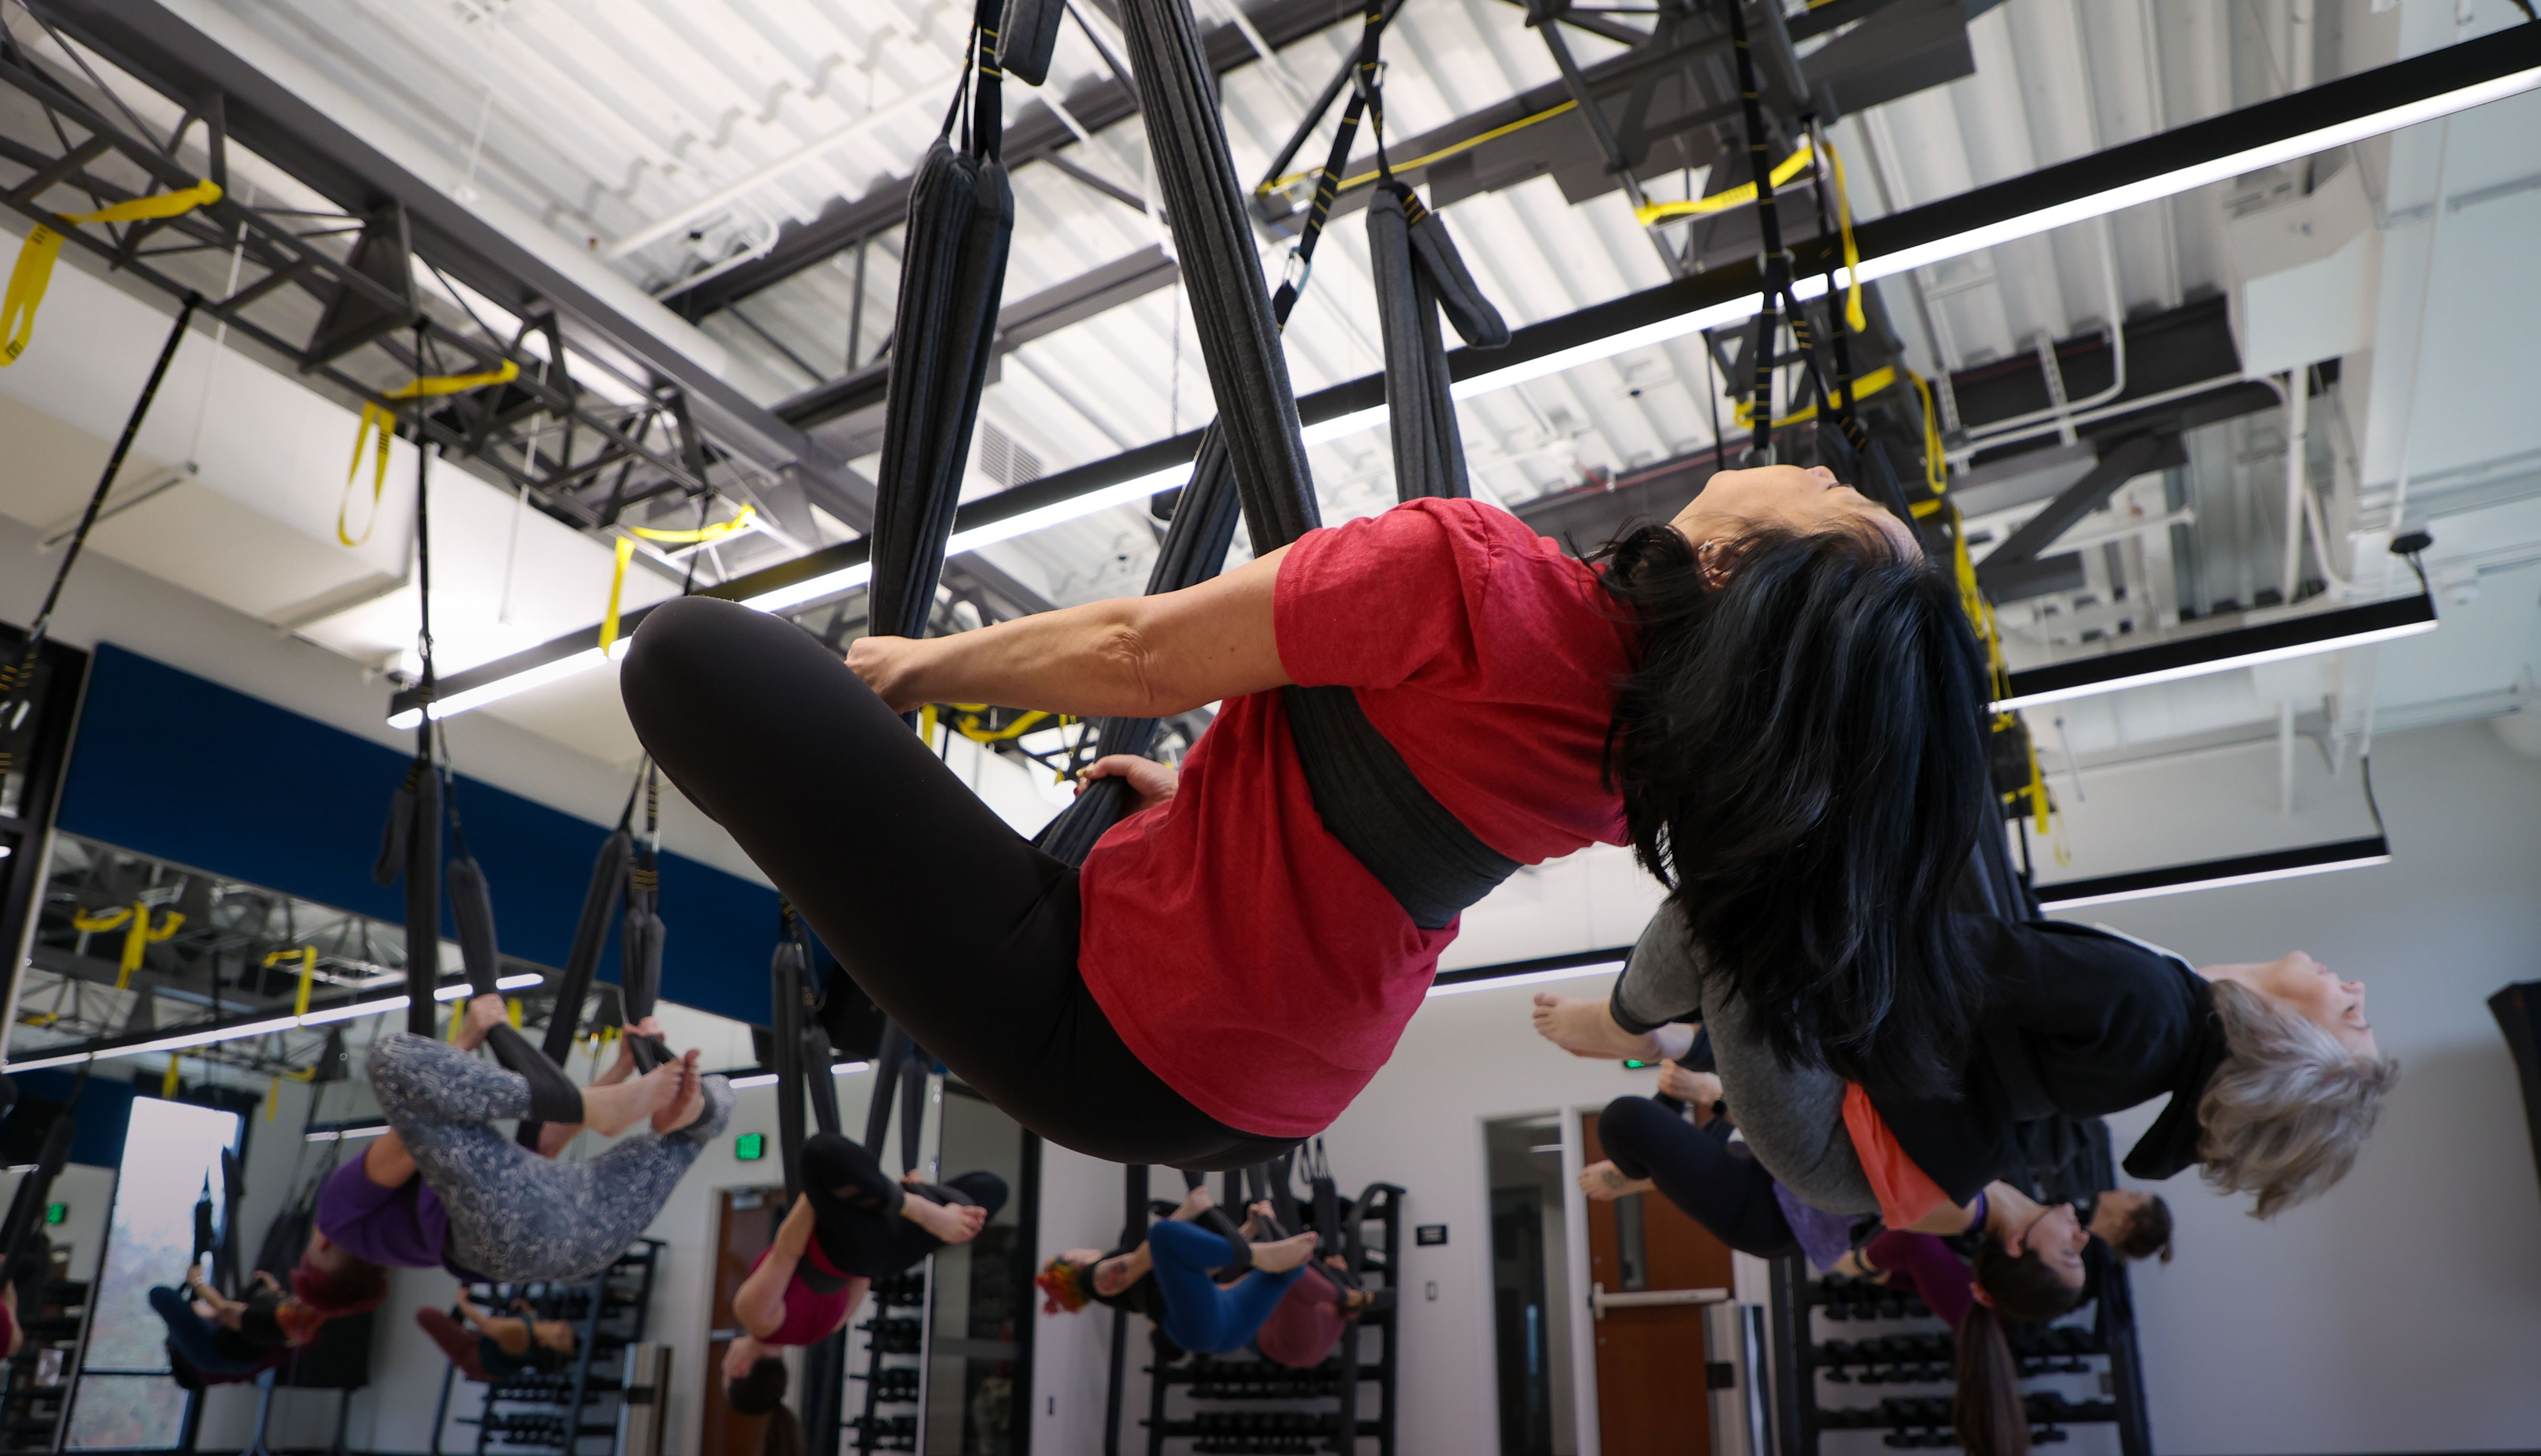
x: 56, y: 1213
x: 750, y: 1147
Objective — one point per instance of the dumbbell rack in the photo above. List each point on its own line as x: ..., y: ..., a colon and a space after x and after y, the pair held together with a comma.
x: 31, y: 1410
x: 572, y: 1409
x: 895, y: 1357
x: 1207, y: 1380
x: 1806, y: 1351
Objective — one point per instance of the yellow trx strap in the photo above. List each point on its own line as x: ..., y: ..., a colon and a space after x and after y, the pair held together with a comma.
x: 1852, y: 315
x: 1738, y: 196
x: 1862, y: 388
x: 378, y: 417
x: 139, y: 933
x: 306, y: 955
x: 1424, y: 159
x: 627, y: 553
x: 1972, y: 598
x: 43, y: 248
x: 168, y: 1083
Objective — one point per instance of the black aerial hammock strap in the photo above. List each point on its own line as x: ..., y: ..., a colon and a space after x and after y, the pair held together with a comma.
x: 641, y: 943
x: 609, y: 873
x: 1367, y: 797
x: 36, y: 1189
x: 786, y: 973
x: 17, y: 681
x: 953, y: 272
x: 413, y: 846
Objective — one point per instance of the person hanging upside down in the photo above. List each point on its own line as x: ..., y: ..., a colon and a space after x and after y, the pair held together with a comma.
x: 851, y: 1225
x: 444, y: 1188
x: 2272, y: 1073
x: 489, y: 1348
x: 222, y: 1337
x: 1650, y: 1147
x: 1772, y: 697
x: 1168, y: 1277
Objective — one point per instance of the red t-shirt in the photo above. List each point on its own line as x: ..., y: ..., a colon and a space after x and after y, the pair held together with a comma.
x: 810, y: 1315
x: 1244, y: 955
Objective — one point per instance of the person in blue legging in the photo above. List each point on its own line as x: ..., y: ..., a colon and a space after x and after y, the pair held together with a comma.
x: 1172, y: 1274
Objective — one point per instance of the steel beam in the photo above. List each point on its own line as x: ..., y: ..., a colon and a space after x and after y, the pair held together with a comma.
x: 153, y: 44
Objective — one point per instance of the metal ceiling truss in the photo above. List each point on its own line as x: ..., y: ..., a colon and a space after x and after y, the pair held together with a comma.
x: 681, y: 431
x: 345, y: 314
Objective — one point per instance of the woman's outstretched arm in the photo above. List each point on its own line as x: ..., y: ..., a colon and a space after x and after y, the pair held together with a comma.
x: 1134, y: 657
x: 759, y: 1303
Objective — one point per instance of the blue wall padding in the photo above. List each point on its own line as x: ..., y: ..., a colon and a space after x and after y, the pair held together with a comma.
x: 183, y: 769
x: 100, y: 1114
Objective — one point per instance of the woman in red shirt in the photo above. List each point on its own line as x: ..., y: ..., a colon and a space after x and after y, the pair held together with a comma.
x: 1772, y: 697
x: 851, y: 1225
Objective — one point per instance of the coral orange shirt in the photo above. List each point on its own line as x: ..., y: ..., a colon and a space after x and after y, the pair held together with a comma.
x: 1905, y: 1193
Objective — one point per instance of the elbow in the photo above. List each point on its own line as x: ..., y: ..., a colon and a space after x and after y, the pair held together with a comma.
x: 1139, y: 681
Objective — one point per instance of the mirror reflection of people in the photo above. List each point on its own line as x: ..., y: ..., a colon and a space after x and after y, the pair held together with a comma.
x: 852, y: 1224
x: 226, y: 1338
x: 487, y: 1346
x: 444, y: 1188
x: 1171, y: 1275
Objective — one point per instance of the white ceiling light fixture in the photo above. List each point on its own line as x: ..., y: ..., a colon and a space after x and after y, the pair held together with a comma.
x: 2217, y: 652
x: 1525, y: 972
x: 2219, y: 874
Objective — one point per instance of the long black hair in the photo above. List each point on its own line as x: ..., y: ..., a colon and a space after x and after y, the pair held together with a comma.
x: 1986, y: 1404
x: 1800, y: 760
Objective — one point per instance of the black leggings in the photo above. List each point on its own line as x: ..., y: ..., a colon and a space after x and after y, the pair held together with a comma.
x: 964, y: 933
x: 1716, y: 1182
x: 855, y: 1207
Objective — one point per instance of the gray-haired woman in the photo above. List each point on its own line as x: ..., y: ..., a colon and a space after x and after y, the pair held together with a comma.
x: 2273, y: 1075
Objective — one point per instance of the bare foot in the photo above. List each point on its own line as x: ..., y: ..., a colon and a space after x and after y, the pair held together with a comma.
x: 483, y: 1014
x: 1604, y: 1183
x: 553, y: 1137
x: 610, y: 1108
x: 1194, y: 1203
x: 958, y: 1224
x: 1698, y: 1090
x: 1285, y: 1255
x: 1582, y: 1027
x: 689, y: 1102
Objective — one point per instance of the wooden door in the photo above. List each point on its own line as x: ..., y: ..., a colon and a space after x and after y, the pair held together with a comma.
x: 744, y: 1226
x: 1651, y: 1394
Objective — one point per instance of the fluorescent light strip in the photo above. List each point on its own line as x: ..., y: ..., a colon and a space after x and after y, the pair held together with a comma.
x: 462, y: 990
x: 768, y: 1079
x: 1525, y: 978
x: 502, y: 687
x: 2219, y: 665
x: 2047, y: 901
x: 347, y: 1134
x: 355, y: 1010
x: 1657, y: 332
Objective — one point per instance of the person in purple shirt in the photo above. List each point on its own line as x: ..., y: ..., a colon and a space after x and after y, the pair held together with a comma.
x: 445, y: 1188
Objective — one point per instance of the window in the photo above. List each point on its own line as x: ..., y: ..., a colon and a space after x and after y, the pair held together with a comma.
x: 124, y: 1397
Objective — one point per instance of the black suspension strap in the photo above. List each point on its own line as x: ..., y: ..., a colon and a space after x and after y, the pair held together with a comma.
x: 16, y: 684
x: 610, y: 871
x: 641, y: 941
x: 1367, y: 797
x: 1774, y: 263
x: 961, y: 222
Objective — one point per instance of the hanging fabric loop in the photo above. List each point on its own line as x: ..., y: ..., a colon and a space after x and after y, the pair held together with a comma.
x: 378, y: 417
x: 33, y: 272
x: 702, y: 536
